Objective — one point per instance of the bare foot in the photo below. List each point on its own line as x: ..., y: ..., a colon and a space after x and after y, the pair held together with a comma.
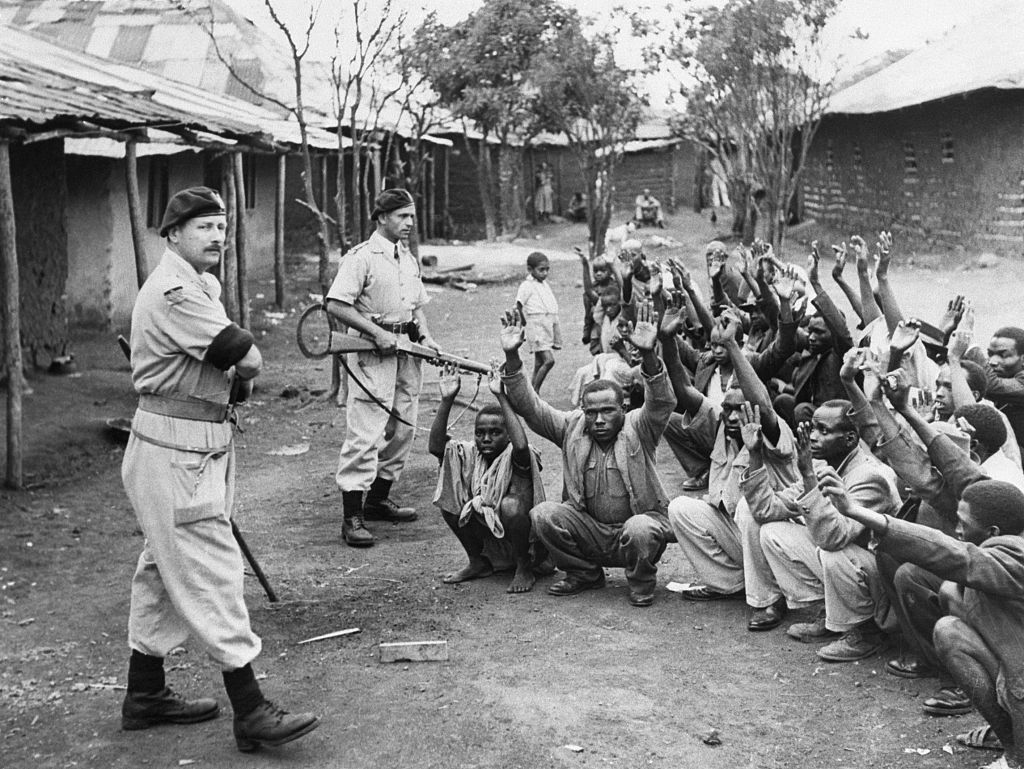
x: 473, y: 570
x: 523, y: 580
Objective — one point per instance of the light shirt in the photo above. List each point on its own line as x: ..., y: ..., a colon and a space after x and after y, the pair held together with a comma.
x: 603, y: 487
x: 1000, y: 468
x: 378, y: 284
x: 536, y: 297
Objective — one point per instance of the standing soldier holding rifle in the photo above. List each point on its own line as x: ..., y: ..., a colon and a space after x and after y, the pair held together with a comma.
x: 179, y: 474
x: 379, y: 295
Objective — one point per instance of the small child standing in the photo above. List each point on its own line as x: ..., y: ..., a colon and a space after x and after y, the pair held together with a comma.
x: 536, y: 302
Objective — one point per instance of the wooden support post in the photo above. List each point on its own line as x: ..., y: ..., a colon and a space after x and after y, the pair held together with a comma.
x: 12, y: 320
x: 241, y: 242
x: 229, y: 265
x: 131, y: 178
x: 282, y: 161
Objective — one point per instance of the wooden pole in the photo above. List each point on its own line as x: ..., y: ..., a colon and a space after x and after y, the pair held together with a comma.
x: 229, y: 265
x: 131, y: 177
x: 12, y: 320
x: 241, y: 242
x: 279, y: 232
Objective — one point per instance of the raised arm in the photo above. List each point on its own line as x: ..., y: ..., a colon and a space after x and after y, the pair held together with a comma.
x: 754, y: 390
x: 886, y: 295
x: 868, y: 303
x: 513, y: 424
x: 685, y: 282
x: 588, y: 281
x: 863, y: 416
x: 841, y: 338
x: 852, y: 296
x: 688, y: 397
x: 449, y: 383
x: 961, y: 391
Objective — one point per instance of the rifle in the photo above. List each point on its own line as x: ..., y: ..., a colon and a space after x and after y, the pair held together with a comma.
x: 318, y: 336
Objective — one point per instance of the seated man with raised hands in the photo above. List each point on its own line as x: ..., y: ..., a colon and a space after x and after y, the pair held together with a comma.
x: 716, y: 533
x: 487, y: 486
x: 824, y: 562
x: 978, y: 638
x: 613, y: 513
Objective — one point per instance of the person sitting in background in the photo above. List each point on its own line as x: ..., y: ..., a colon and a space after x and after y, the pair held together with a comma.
x: 648, y: 209
x: 577, y: 208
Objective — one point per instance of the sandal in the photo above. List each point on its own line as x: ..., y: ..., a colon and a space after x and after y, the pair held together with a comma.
x: 983, y: 737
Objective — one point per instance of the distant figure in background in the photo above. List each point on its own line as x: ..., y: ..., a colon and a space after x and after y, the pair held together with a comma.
x: 648, y: 209
x: 577, y: 210
x: 543, y: 200
x: 719, y: 188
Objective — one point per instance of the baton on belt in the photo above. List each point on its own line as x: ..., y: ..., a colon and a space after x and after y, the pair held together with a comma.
x: 242, y: 545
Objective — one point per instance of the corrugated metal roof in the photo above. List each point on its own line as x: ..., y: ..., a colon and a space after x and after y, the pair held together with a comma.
x: 42, y: 83
x: 986, y: 51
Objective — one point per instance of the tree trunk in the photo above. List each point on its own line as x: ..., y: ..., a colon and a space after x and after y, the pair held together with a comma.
x: 229, y: 265
x: 485, y: 177
x: 12, y: 321
x: 279, y: 196
x: 341, y: 202
x: 241, y: 242
x: 510, y: 189
x: 131, y: 176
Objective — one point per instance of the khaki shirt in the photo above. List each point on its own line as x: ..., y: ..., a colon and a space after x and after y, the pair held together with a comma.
x: 379, y: 285
x: 177, y: 315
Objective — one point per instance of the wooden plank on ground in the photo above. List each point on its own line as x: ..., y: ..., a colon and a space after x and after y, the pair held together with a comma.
x: 414, y: 651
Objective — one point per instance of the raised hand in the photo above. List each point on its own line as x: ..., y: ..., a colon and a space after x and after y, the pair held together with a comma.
x: 804, y: 461
x: 672, y: 320
x: 884, y: 248
x: 832, y: 486
x: 951, y: 317
x: 860, y: 249
x: 494, y: 379
x: 743, y: 260
x: 750, y: 427
x: 728, y: 327
x: 896, y: 387
x: 853, y: 363
x: 643, y: 333
x: 581, y: 255
x: 654, y: 284
x: 449, y: 381
x: 959, y: 343
x: 905, y: 335
x: 967, y: 321
x: 681, y: 276
x: 839, y: 266
x: 513, y: 330
x: 785, y: 282
x: 812, y: 267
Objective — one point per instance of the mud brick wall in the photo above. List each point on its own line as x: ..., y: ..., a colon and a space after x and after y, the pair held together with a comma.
x: 40, y: 201
x: 949, y: 172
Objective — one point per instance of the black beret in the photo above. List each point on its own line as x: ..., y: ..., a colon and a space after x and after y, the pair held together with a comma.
x: 188, y: 204
x: 390, y: 200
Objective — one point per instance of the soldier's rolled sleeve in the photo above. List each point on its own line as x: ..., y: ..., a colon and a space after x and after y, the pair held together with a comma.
x: 192, y: 321
x: 348, y: 283
x: 229, y: 347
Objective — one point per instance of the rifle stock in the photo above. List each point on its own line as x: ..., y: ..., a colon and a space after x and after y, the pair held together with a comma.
x: 343, y: 343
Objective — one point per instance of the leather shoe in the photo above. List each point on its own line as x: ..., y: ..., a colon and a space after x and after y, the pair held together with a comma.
x: 705, y: 593
x: 271, y: 725
x: 768, y: 618
x: 572, y: 584
x: 355, y: 533
x: 948, y: 701
x: 386, y: 510
x: 643, y: 600
x: 141, y: 710
x: 909, y: 667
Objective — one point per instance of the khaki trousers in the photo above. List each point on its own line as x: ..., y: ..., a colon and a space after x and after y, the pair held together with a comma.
x: 189, y: 577
x: 376, y: 444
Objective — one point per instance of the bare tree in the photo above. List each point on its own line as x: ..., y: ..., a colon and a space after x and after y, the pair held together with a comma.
x: 298, y: 48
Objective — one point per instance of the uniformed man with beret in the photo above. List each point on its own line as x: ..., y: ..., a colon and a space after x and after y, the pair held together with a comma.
x: 379, y: 295
x: 178, y: 472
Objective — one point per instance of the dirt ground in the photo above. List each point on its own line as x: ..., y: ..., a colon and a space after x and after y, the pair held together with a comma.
x: 532, y: 680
